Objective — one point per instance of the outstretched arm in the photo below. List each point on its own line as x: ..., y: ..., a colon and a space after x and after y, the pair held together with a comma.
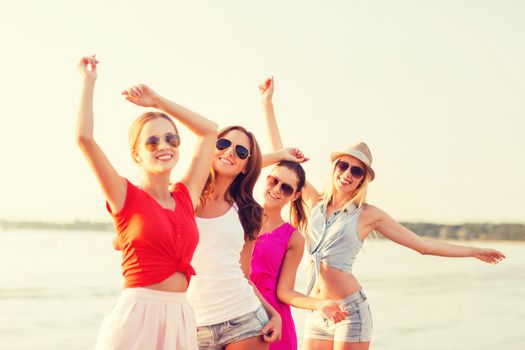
x: 286, y: 284
x: 396, y: 232
x: 113, y: 185
x: 205, y: 129
x: 309, y: 193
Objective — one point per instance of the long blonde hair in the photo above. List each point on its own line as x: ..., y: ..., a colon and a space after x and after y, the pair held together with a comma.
x: 359, y: 196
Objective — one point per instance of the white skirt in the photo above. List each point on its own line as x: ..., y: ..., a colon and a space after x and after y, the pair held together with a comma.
x: 144, y: 318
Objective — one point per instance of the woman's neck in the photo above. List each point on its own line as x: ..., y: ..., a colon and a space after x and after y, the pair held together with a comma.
x: 220, y: 187
x: 339, y: 200
x: 273, y: 218
x: 157, y: 185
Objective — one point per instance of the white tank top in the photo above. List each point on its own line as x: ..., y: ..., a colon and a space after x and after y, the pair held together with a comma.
x: 219, y: 291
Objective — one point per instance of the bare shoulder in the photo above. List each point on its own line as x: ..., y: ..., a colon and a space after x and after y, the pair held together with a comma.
x: 372, y: 210
x: 296, y: 240
x: 372, y: 214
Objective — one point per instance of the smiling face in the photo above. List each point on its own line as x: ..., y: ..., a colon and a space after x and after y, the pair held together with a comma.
x: 227, y: 162
x: 160, y: 156
x: 278, y: 185
x: 342, y: 180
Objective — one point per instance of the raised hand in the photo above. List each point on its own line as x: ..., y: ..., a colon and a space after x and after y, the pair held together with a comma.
x: 88, y: 67
x: 142, y: 95
x: 266, y: 89
x: 491, y: 256
x: 293, y: 154
x: 332, y: 311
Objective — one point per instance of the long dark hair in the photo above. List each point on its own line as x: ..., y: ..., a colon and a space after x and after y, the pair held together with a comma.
x: 241, y: 189
x: 298, y: 217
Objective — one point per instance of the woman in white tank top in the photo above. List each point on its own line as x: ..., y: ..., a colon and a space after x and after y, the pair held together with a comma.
x: 229, y: 310
x: 340, y: 220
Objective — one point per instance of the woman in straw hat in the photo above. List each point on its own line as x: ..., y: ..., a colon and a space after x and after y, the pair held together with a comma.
x: 339, y: 221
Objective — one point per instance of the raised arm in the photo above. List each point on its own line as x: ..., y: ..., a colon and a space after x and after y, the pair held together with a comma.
x: 205, y: 129
x: 286, y: 284
x: 113, y: 185
x: 310, y: 194
x: 266, y: 88
x: 396, y: 232
x: 289, y: 154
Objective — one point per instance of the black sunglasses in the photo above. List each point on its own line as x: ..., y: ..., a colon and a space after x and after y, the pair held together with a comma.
x: 356, y: 171
x: 286, y: 189
x: 153, y: 142
x: 241, y: 151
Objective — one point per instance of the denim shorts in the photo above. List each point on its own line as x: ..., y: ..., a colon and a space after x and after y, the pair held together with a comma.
x: 217, y: 336
x: 355, y: 328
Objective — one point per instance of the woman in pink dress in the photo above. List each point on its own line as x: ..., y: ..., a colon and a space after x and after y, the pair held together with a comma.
x: 279, y: 248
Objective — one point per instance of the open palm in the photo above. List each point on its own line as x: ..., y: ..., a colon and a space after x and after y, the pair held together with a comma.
x: 491, y: 256
x: 141, y: 95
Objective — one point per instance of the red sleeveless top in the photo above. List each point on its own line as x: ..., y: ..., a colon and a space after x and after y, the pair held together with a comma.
x: 155, y: 242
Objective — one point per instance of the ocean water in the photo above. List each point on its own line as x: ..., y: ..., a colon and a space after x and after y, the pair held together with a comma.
x: 56, y: 287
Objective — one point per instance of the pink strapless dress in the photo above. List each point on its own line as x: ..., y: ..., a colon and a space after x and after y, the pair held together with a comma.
x: 267, y: 258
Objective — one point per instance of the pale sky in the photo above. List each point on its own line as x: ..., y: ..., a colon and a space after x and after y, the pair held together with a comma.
x: 436, y: 88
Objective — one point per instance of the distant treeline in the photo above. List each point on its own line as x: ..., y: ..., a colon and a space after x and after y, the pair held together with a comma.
x: 469, y: 231
x: 512, y: 232
x: 76, y: 225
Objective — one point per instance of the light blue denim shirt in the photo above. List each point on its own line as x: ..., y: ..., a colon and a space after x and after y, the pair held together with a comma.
x: 334, y: 241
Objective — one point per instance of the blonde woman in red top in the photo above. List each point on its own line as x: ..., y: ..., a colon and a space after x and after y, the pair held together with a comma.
x: 155, y: 227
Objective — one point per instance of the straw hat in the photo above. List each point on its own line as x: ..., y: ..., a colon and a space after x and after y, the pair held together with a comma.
x: 360, y: 151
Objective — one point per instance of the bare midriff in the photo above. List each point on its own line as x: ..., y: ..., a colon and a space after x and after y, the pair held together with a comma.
x: 334, y: 284
x: 175, y: 283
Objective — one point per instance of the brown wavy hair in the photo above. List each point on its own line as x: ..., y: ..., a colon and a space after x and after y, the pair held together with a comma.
x: 240, y: 191
x: 298, y: 216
